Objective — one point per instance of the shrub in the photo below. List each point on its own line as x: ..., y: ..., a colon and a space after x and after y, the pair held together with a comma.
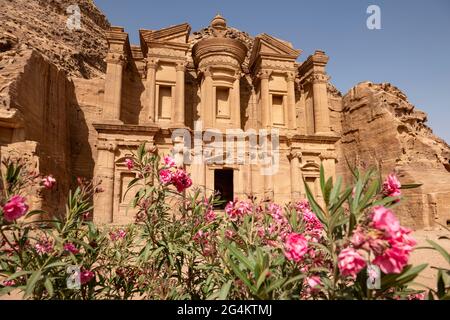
x: 181, y: 247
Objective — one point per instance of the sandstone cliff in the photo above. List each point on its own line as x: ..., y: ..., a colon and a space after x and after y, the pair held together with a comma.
x: 41, y: 25
x: 380, y: 126
x: 38, y: 55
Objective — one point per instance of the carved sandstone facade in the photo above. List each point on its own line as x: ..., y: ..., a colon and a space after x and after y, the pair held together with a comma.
x: 226, y: 80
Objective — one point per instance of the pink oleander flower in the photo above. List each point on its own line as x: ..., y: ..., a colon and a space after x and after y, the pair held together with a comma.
x: 385, y: 220
x: 358, y: 238
x: 8, y: 283
x: 117, y: 235
x: 313, y: 226
x: 391, y: 186
x: 302, y: 205
x: 15, y: 208
x: 237, y: 209
x: 70, y: 247
x: 402, y: 240
x: 169, y: 161
x: 210, y: 215
x: 393, y: 260
x: 86, y: 276
x: 295, y: 246
x: 416, y: 296
x: 276, y: 212
x: 350, y: 262
x: 130, y: 163
x: 165, y: 176
x: 49, y: 182
x: 44, y: 246
x: 313, y: 284
x: 229, y: 234
x: 181, y: 180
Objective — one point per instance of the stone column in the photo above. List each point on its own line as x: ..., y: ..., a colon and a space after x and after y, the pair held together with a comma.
x: 320, y: 100
x: 152, y: 66
x: 266, y: 119
x: 296, y: 179
x: 178, y: 112
x: 236, y: 108
x: 113, y: 87
x: 268, y: 179
x: 103, y: 202
x: 292, y: 114
x: 207, y: 95
x: 240, y: 183
x: 328, y: 159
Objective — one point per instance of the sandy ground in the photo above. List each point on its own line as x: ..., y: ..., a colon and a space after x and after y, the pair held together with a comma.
x: 418, y: 256
x: 431, y: 257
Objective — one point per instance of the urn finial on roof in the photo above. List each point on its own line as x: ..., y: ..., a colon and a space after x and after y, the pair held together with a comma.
x: 219, y: 25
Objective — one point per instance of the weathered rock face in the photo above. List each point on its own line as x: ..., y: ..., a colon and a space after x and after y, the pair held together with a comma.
x: 41, y: 25
x: 381, y: 127
x: 38, y: 54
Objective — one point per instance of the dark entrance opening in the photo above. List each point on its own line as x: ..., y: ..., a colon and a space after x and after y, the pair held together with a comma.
x: 223, y: 185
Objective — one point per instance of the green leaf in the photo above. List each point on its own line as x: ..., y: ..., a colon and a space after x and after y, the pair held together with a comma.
x: 49, y: 286
x: 411, y: 186
x: 31, y: 284
x: 262, y: 277
x: 240, y: 256
x: 223, y: 294
x: 440, y: 249
x: 241, y: 275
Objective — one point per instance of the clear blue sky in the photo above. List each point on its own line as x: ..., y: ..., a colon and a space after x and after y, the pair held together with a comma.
x: 412, y: 50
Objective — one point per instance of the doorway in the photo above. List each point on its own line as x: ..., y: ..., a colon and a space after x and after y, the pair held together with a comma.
x: 223, y: 185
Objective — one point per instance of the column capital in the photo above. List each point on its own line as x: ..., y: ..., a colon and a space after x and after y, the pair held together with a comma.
x: 152, y: 63
x: 295, y: 154
x: 318, y: 78
x: 328, y: 154
x: 181, y: 66
x: 116, y: 58
x: 264, y: 74
x: 107, y: 145
x: 206, y: 72
x: 290, y: 76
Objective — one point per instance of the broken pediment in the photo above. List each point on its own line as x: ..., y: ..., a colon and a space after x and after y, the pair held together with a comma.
x: 267, y: 46
x: 173, y: 36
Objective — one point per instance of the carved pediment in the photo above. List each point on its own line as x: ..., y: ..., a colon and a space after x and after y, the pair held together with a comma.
x: 266, y: 46
x: 178, y: 33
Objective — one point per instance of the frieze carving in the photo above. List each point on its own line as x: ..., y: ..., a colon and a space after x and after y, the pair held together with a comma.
x: 165, y: 52
x: 219, y: 60
x: 276, y: 64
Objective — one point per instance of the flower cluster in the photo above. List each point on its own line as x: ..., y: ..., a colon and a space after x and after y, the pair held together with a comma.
x: 391, y: 186
x: 171, y: 175
x: 49, y: 182
x: 382, y: 238
x: 44, y: 245
x: 70, y: 247
x: 117, y: 235
x: 237, y: 209
x: 15, y: 208
x: 295, y: 246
